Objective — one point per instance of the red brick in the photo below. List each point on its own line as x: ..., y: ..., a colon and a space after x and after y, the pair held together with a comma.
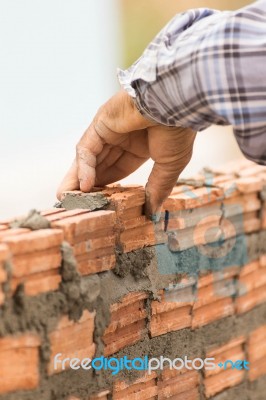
x: 44, y: 260
x: 65, y: 214
x: 192, y: 394
x: 251, y: 299
x: 143, y: 388
x: 52, y: 211
x: 232, y: 350
x: 4, y: 253
x: 257, y: 344
x: 224, y: 380
x: 30, y: 242
x: 263, y: 261
x: 72, y: 339
x: 89, y: 246
x: 213, y: 312
x: 197, y: 198
x: 95, y: 265
x: 141, y: 236
x: 88, y: 222
x: 41, y: 282
x: 127, y: 313
x: 128, y: 199
x: 12, y: 232
x: 249, y: 184
x: 257, y: 369
x: 128, y: 299
x: 182, y: 383
x: 132, y: 212
x: 19, y: 363
x: 123, y: 337
x: 173, y: 320
x: 214, y: 292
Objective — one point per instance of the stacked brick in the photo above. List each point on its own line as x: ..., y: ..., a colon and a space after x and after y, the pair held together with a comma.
x: 128, y: 322
x: 196, y: 214
x: 35, y: 259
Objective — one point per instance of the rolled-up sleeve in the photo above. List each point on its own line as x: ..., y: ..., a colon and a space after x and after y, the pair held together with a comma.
x: 207, y: 67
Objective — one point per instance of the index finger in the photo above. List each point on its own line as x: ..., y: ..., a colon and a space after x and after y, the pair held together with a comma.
x: 88, y: 148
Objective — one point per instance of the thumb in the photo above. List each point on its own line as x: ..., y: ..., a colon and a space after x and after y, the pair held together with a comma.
x: 171, y: 150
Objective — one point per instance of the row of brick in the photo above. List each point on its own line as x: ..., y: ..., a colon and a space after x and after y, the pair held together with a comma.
x: 197, y: 216
x: 185, y: 384
x: 191, y: 304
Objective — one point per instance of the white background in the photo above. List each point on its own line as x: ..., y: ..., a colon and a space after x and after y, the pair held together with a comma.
x: 58, y: 64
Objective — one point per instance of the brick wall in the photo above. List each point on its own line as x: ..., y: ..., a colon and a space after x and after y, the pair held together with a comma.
x: 110, y: 282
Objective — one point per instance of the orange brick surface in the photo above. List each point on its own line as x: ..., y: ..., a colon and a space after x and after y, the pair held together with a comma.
x: 19, y: 363
x: 73, y: 340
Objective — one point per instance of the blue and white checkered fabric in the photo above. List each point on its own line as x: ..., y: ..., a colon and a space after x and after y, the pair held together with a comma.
x: 207, y: 67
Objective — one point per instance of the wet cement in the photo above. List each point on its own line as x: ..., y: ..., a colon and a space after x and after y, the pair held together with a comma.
x: 88, y: 201
x: 34, y: 221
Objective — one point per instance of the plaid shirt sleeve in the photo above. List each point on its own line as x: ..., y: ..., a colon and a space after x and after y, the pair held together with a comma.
x: 207, y: 67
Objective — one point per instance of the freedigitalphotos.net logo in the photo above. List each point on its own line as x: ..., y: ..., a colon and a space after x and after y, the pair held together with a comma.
x: 115, y: 365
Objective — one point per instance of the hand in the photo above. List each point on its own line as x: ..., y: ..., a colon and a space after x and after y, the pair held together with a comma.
x: 118, y: 141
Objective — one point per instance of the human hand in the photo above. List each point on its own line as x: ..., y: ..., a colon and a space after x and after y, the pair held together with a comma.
x: 118, y: 141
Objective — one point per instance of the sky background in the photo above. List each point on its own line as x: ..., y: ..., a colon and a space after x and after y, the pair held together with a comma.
x: 58, y: 65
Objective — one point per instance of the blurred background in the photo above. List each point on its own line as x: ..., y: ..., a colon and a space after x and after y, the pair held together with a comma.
x: 58, y: 65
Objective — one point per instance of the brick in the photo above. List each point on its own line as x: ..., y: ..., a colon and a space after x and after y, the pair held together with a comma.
x: 195, y: 198
x: 19, y: 363
x: 141, y: 236
x: 142, y: 388
x: 126, y: 316
x: 245, y: 203
x: 128, y: 199
x: 81, y: 224
x: 132, y: 212
x: 128, y: 299
x: 173, y: 320
x: 138, y: 391
x: 213, y: 312
x: 4, y: 252
x: 214, y: 292
x: 251, y: 281
x: 52, y: 211
x: 72, y: 339
x: 257, y: 369
x: 192, y: 394
x: 249, y: 268
x: 249, y: 184
x: 30, y: 242
x: 233, y: 350
x: 12, y: 232
x: 38, y: 283
x: 177, y: 385
x: 251, y: 299
x: 3, y: 227
x: 123, y: 337
x: 263, y: 261
x: 87, y: 247
x: 257, y: 344
x: 95, y: 265
x: 96, y: 234
x: 65, y: 214
x: 224, y: 380
x: 213, y: 277
x: 44, y: 260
